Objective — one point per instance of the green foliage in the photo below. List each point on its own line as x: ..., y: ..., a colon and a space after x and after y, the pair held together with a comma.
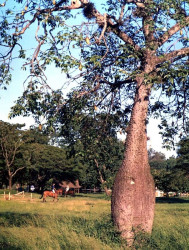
x: 37, y: 162
x: 113, y: 62
x: 12, y: 139
x: 93, y: 141
x: 171, y: 174
x: 49, y: 162
x: 183, y: 155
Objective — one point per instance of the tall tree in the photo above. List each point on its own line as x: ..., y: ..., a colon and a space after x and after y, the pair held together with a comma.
x: 135, y: 49
x: 93, y: 138
x: 50, y: 162
x: 183, y: 155
x: 12, y: 139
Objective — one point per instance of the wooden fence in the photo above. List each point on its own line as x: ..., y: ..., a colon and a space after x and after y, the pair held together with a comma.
x: 18, y: 196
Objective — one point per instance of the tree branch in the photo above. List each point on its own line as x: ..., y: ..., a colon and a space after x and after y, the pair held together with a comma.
x: 43, y: 11
x: 84, y: 93
x: 116, y: 84
x: 18, y: 169
x: 174, y: 55
x: 174, y: 29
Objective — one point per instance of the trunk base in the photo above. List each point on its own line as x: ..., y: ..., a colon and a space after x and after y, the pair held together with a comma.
x: 133, y: 201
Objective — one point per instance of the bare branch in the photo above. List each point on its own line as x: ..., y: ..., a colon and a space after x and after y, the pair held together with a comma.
x: 174, y: 29
x: 173, y: 56
x: 121, y: 14
x: 18, y: 169
x: 104, y: 28
x: 84, y: 93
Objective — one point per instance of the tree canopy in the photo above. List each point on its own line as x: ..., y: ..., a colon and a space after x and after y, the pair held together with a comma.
x: 171, y: 175
x: 92, y: 140
x: 11, y: 140
x: 26, y: 156
x: 106, y: 57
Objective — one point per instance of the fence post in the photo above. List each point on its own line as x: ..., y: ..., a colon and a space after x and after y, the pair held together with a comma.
x: 9, y: 196
x: 4, y: 194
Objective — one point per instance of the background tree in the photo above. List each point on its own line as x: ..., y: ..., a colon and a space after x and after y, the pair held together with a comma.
x: 169, y: 174
x: 135, y: 49
x: 180, y: 178
x: 158, y: 166
x: 11, y: 140
x: 93, y: 138
x: 49, y: 162
x: 183, y: 155
x: 3, y: 179
x: 30, y: 158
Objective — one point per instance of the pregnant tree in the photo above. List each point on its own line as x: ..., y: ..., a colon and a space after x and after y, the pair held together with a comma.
x: 128, y: 58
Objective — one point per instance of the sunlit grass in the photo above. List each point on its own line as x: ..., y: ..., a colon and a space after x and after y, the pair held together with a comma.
x: 70, y: 223
x: 172, y: 225
x: 84, y: 222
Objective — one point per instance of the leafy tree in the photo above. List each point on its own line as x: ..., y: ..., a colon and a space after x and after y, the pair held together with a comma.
x: 157, y: 160
x: 49, y: 163
x: 168, y: 175
x: 179, y: 179
x: 183, y: 155
x: 11, y: 140
x: 3, y: 179
x: 158, y: 166
x: 155, y: 156
x: 137, y: 50
x: 93, y: 138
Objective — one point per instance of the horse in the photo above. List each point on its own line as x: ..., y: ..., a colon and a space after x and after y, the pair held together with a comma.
x: 62, y: 191
x: 68, y: 192
x: 59, y: 191
x: 50, y: 194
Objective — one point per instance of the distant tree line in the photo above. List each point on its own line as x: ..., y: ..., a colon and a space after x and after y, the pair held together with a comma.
x: 26, y: 156
x: 88, y: 151
x: 171, y: 174
x: 84, y: 152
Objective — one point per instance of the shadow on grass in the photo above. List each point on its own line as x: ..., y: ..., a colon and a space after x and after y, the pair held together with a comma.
x: 11, y: 219
x: 171, y: 200
x: 102, y: 230
x: 7, y: 246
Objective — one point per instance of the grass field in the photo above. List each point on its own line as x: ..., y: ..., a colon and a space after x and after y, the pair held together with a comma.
x: 84, y: 222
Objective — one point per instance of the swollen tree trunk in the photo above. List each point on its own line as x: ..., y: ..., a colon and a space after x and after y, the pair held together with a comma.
x: 133, y: 196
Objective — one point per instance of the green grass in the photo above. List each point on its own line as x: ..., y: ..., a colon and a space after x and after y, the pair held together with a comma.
x: 171, y: 226
x: 84, y: 222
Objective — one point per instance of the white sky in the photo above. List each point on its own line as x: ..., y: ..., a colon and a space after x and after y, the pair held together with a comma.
x: 156, y: 141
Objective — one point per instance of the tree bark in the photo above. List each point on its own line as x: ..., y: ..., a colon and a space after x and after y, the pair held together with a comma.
x: 10, y: 182
x: 133, y: 195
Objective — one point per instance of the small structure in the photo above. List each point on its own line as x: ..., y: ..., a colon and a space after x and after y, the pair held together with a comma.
x: 72, y: 185
x: 159, y: 193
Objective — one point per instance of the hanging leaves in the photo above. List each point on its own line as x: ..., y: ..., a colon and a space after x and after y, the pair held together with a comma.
x: 40, y: 127
x: 95, y: 108
x: 87, y: 40
x: 80, y: 66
